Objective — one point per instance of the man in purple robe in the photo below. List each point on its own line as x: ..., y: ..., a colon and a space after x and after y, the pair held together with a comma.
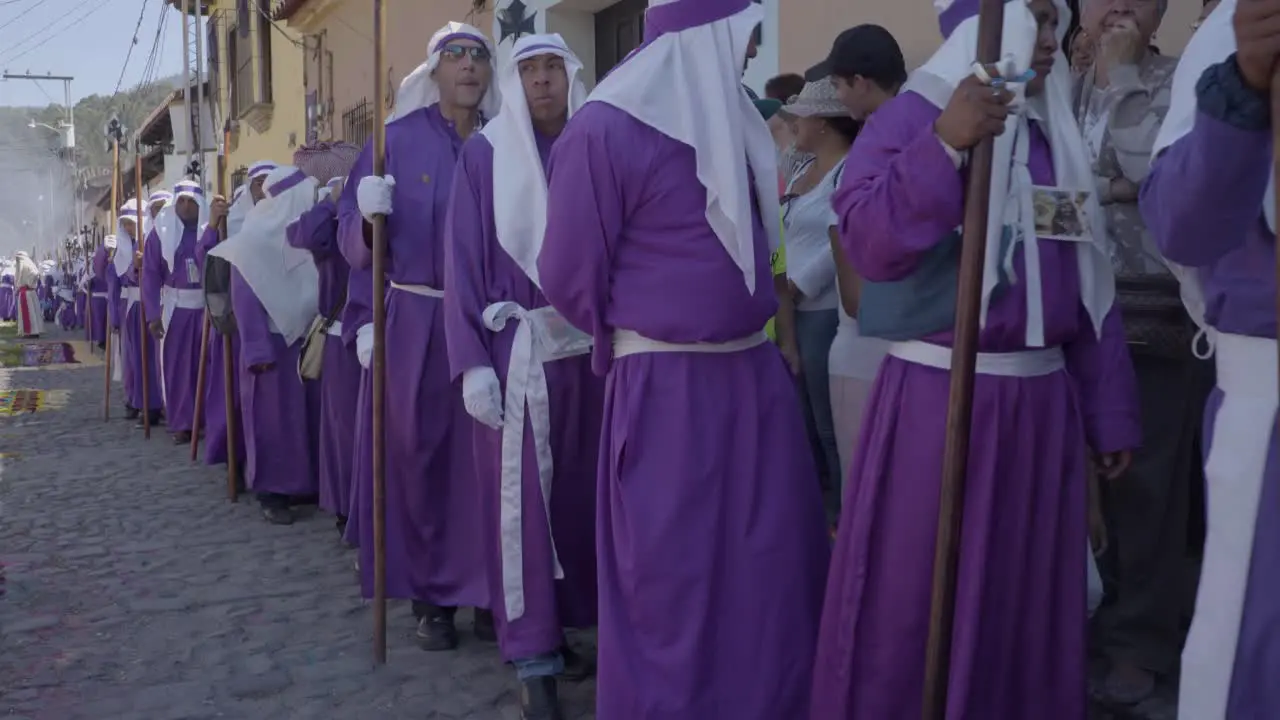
x: 97, y: 287
x: 175, y: 302
x: 1210, y: 202
x: 435, y: 546
x: 537, y: 478
x: 339, y: 383
x: 126, y: 261
x: 7, y: 291
x: 710, y: 529
x: 1053, y: 381
x: 215, y: 409
x: 275, y: 293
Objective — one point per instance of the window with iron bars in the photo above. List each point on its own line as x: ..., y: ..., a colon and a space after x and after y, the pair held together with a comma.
x: 238, y: 177
x: 357, y: 123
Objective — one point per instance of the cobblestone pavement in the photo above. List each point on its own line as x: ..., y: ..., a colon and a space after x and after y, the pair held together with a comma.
x: 135, y: 591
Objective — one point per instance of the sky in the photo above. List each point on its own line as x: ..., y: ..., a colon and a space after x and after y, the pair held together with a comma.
x: 86, y: 39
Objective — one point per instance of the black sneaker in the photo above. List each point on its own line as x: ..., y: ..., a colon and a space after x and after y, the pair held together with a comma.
x: 483, y: 626
x: 436, y: 632
x: 277, y: 515
x: 539, y: 699
x: 577, y: 667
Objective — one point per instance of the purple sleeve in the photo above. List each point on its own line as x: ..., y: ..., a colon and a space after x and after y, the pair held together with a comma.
x: 100, y: 263
x: 359, y: 308
x: 1103, y: 372
x: 113, y: 296
x: 351, y: 224
x: 315, y: 230
x: 154, y: 274
x: 464, y: 304
x: 585, y: 212
x: 1204, y: 192
x: 252, y: 323
x: 208, y: 239
x: 900, y: 192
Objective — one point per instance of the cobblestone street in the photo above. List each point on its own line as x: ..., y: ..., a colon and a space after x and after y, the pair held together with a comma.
x: 136, y: 591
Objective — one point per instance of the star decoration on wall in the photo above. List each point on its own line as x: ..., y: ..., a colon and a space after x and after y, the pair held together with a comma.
x: 515, y: 20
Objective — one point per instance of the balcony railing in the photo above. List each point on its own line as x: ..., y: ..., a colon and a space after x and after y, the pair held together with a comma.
x: 357, y: 123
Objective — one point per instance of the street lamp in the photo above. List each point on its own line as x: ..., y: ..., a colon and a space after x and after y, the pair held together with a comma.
x: 65, y: 129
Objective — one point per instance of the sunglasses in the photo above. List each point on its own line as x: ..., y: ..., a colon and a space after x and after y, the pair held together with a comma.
x: 457, y: 52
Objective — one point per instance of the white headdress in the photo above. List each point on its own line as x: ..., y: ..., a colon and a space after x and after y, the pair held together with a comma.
x: 519, y: 180
x: 284, y: 279
x: 169, y: 227
x: 419, y: 89
x: 126, y: 244
x: 686, y: 83
x: 1011, y: 205
x: 242, y: 200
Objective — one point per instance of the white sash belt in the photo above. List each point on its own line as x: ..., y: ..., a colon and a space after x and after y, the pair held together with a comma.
x: 100, y: 295
x: 422, y: 290
x: 130, y: 294
x: 1022, y: 363
x: 335, y: 329
x: 1234, y: 474
x: 629, y: 342
x: 543, y: 336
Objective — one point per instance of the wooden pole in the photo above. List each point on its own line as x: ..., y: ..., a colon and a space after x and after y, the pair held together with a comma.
x: 106, y: 326
x: 205, y: 329
x: 379, y: 348
x: 228, y: 357
x: 140, y: 243
x: 964, y: 352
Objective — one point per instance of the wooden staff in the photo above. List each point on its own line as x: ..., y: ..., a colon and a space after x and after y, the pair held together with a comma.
x: 140, y: 244
x: 228, y: 358
x: 955, y: 458
x: 106, y: 326
x: 379, y: 349
x: 204, y: 347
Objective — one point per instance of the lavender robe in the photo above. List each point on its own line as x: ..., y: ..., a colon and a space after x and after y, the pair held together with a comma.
x: 215, y: 403
x: 479, y: 273
x: 7, y: 298
x: 181, y: 346
x: 1201, y: 203
x: 278, y: 436
x: 1019, y: 644
x: 360, y: 499
x: 98, y: 298
x: 710, y: 530
x: 130, y: 351
x: 434, y: 542
x: 339, y: 383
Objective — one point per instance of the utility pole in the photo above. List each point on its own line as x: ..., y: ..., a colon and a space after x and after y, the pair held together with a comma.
x: 193, y: 81
x: 69, y: 127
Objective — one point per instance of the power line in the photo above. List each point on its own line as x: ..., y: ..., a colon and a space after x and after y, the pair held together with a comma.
x: 18, y: 17
x: 99, y: 4
x: 132, y: 44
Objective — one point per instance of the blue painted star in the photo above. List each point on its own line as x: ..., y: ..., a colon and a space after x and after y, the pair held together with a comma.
x: 515, y: 20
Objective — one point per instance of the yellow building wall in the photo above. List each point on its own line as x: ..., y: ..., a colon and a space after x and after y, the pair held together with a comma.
x: 287, y: 129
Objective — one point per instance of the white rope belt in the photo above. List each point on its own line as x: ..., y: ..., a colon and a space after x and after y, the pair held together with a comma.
x: 629, y: 342
x: 422, y: 290
x: 130, y: 294
x: 335, y: 329
x: 100, y: 295
x: 1023, y: 363
x: 543, y: 336
x: 182, y: 298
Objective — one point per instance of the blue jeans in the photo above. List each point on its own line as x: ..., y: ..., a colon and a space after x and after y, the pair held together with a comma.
x: 815, y: 331
x: 544, y: 665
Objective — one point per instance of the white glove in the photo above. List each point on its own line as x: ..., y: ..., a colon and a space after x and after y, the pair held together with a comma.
x: 373, y: 195
x: 482, y: 396
x: 364, y: 345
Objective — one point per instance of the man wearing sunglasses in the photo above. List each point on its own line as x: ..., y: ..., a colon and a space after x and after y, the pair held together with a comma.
x: 434, y: 546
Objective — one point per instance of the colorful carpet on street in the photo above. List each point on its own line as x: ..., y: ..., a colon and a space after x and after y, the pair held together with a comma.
x: 18, y: 402
x: 52, y: 353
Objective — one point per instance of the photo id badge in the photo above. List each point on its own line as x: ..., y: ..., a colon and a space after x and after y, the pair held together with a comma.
x: 1062, y: 214
x: 193, y: 272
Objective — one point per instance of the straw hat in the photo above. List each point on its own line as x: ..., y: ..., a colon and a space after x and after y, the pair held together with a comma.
x: 817, y: 99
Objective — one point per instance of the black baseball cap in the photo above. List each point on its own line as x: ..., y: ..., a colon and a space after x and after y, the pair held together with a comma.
x: 866, y: 50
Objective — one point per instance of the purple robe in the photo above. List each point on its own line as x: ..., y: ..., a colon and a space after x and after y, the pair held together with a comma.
x: 280, y: 453
x: 1019, y: 641
x: 710, y: 530
x: 130, y: 351
x: 1201, y: 203
x: 317, y: 230
x: 360, y: 498
x: 79, y: 303
x: 435, y: 546
x: 479, y: 273
x: 215, y: 402
x: 180, y: 348
x: 98, y: 298
x: 7, y: 295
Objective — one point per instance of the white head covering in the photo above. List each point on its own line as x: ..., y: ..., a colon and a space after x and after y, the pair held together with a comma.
x: 1011, y: 203
x: 686, y: 83
x: 284, y: 278
x: 519, y: 180
x: 419, y: 89
x: 27, y: 273
x: 126, y: 243
x: 242, y: 200
x: 1213, y: 42
x: 109, y: 242
x: 169, y: 226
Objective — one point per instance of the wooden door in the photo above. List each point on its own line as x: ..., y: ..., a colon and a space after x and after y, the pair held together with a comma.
x: 619, y: 30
